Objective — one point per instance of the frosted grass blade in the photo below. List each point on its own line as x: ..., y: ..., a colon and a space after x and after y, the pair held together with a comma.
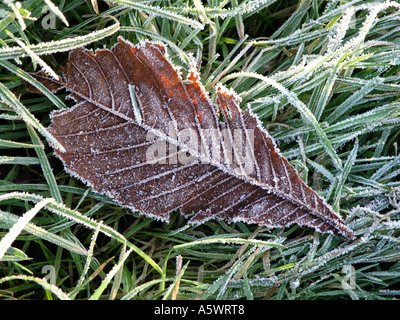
x: 68, y: 44
x: 16, y: 229
x: 9, y: 219
x: 11, y: 100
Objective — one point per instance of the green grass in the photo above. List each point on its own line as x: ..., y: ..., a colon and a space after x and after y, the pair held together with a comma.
x: 324, y: 79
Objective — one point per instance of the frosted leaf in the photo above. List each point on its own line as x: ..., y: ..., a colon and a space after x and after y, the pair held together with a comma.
x: 154, y: 143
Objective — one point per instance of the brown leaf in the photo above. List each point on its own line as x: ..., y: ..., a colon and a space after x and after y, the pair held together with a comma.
x: 154, y: 143
x: 49, y: 83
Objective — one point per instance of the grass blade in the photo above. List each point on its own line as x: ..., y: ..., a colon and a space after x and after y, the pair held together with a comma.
x: 16, y: 229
